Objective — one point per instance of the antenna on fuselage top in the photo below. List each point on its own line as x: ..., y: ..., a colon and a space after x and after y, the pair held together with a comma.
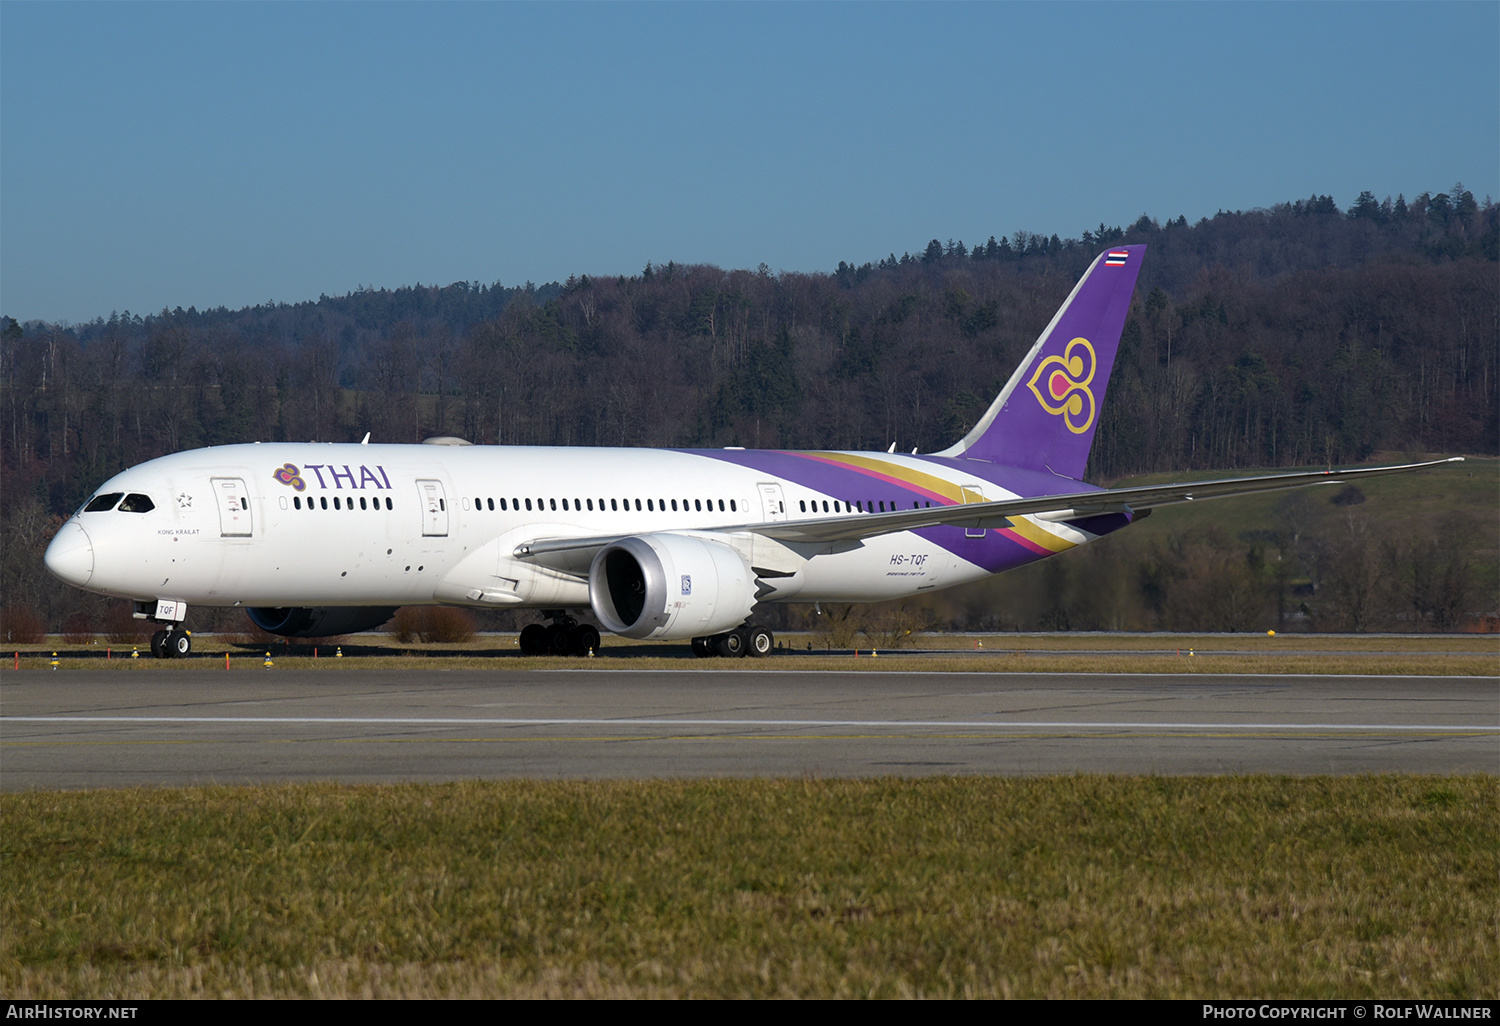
x: 892, y: 448
x: 365, y: 440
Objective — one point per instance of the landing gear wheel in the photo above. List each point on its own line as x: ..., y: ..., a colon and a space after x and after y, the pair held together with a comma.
x: 159, y: 645
x: 731, y: 644
x: 703, y: 648
x: 178, y: 643
x: 761, y: 641
x: 533, y: 639
x: 584, y: 639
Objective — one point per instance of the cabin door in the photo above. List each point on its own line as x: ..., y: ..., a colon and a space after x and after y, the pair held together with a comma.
x: 233, y: 500
x: 434, y: 509
x: 773, y: 506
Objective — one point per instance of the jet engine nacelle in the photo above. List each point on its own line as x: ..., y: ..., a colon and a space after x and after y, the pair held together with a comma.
x: 670, y: 586
x: 319, y: 621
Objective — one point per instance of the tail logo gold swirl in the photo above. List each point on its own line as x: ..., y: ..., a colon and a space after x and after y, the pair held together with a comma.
x: 1064, y: 385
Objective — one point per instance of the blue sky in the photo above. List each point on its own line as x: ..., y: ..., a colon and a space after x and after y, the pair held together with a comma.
x: 163, y: 155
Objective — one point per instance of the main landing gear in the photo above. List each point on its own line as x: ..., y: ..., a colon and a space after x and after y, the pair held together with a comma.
x: 169, y: 644
x: 742, y: 641
x: 563, y: 636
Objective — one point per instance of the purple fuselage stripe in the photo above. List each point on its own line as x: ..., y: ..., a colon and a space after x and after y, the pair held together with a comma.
x: 994, y: 552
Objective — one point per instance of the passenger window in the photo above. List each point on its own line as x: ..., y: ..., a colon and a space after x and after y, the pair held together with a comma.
x: 388, y: 503
x: 100, y: 503
x: 637, y: 505
x: 296, y: 502
x: 137, y: 503
x: 336, y: 503
x: 324, y: 501
x: 362, y: 503
x: 528, y: 505
x: 731, y: 507
x: 698, y: 505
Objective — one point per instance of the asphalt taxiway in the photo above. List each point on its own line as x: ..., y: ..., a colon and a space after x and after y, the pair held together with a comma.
x: 178, y: 727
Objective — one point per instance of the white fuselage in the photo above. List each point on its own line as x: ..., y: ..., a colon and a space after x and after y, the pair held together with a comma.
x: 304, y: 524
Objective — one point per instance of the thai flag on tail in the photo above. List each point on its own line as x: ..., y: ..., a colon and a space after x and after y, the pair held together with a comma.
x: 1117, y: 258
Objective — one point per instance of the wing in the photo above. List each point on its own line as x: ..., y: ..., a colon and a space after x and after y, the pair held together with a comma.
x: 1061, y: 506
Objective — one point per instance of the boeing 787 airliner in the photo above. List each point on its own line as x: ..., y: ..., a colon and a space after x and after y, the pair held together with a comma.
x: 317, y: 539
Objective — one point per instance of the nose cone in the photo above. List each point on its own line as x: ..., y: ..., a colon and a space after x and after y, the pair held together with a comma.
x: 71, y: 555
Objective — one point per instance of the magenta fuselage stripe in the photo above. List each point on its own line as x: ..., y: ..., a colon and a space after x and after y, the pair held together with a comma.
x: 942, y: 500
x: 887, y: 478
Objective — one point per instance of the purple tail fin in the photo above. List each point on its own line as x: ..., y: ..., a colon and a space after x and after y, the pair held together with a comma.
x: 1045, y: 416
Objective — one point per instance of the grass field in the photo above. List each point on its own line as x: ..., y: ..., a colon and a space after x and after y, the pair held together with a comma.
x: 1089, y: 886
x: 1064, y: 887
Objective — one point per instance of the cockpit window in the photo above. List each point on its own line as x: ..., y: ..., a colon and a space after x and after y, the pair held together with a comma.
x: 137, y: 503
x: 100, y: 503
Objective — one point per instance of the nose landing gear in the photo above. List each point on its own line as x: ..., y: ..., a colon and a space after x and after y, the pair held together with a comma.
x: 169, y: 644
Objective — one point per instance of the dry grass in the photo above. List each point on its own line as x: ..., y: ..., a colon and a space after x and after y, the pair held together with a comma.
x: 1063, y: 887
x: 1385, y: 657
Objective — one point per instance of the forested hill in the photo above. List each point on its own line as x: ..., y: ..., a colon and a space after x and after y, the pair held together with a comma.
x: 1302, y: 334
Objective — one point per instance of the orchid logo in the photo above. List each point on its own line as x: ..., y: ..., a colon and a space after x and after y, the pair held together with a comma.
x: 290, y: 475
x: 1067, y: 385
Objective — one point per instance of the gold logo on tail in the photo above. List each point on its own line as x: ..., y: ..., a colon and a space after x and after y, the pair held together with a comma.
x: 1066, y: 389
